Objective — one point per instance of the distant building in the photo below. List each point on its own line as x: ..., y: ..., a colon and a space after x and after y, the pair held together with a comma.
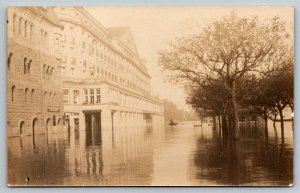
x: 34, y: 96
x: 105, y: 83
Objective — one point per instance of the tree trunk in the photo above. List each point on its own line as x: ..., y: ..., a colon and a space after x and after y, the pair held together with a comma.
x: 219, y: 120
x: 274, y: 125
x: 214, y: 122
x: 266, y: 125
x: 274, y: 121
x: 281, y: 124
x: 224, y: 126
x: 235, y: 112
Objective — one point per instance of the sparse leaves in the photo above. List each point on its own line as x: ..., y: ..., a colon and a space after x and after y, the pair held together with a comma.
x: 223, y: 55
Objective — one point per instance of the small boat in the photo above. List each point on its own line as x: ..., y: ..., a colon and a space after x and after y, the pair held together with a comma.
x: 172, y: 122
x: 197, y: 125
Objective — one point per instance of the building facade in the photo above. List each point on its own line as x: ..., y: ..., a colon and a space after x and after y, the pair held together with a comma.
x: 105, y: 83
x: 35, y: 101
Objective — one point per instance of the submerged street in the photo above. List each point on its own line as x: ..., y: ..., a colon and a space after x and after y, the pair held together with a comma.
x: 180, y: 155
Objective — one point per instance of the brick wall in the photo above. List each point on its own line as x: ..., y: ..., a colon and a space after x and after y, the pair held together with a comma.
x: 35, y: 105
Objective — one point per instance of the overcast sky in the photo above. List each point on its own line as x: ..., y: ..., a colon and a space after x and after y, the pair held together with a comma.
x: 153, y: 27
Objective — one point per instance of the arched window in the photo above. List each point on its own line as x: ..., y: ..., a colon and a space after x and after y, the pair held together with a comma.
x: 32, y: 96
x: 20, y: 25
x: 25, y: 60
x: 13, y: 88
x: 45, y: 96
x: 28, y: 28
x: 22, y: 127
x: 51, y: 71
x: 32, y: 32
x: 15, y: 24
x: 9, y: 60
x: 42, y: 36
x: 28, y: 66
x: 47, y: 72
x: 26, y: 94
x: 44, y: 71
x: 58, y: 121
x: 25, y: 29
x: 46, y: 39
x: 50, y: 97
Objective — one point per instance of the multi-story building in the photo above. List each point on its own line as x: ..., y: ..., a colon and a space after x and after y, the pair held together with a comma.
x: 35, y: 102
x: 105, y: 83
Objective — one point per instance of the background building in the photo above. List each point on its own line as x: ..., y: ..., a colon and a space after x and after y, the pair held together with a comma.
x: 34, y: 100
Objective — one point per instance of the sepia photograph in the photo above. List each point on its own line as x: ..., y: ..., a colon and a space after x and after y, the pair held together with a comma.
x: 150, y: 96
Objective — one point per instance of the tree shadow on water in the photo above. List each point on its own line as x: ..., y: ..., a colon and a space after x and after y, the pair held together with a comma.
x: 255, y: 159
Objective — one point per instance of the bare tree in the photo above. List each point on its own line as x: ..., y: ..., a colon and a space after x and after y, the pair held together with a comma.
x: 227, y: 50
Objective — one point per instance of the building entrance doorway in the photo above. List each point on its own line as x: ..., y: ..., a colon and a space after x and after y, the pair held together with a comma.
x: 93, y: 127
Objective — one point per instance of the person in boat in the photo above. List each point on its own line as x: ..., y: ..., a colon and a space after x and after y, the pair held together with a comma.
x: 172, y: 122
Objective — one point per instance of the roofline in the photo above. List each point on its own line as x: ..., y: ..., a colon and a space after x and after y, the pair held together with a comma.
x: 106, y: 42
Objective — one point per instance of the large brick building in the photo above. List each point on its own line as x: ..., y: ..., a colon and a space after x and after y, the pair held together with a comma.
x: 35, y: 102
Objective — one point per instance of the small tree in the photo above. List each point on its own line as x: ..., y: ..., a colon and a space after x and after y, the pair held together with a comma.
x: 279, y: 90
x: 255, y: 96
x: 269, y: 95
x: 212, y: 100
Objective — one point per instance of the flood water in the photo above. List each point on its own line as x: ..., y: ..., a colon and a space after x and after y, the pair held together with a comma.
x: 178, y: 155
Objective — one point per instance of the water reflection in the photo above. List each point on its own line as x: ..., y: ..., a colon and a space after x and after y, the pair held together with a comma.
x: 180, y: 155
x: 256, y: 159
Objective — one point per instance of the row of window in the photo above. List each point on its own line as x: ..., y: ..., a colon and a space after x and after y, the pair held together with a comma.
x: 131, y: 70
x: 94, y: 46
x: 23, y: 28
x: 26, y: 94
x: 49, y: 97
x: 90, y: 96
x: 131, y: 73
x: 55, y: 122
x: 110, y: 76
x: 93, y: 96
x: 47, y: 72
x: 27, y: 64
x: 31, y: 92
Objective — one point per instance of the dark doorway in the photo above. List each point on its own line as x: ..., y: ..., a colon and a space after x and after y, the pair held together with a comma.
x: 93, y: 128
